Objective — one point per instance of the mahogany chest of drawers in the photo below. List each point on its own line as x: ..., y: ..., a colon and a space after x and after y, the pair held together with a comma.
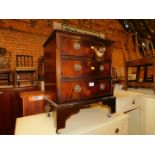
x: 77, y: 73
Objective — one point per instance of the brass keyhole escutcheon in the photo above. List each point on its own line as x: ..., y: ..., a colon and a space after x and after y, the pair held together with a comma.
x: 77, y: 88
x: 77, y: 67
x: 100, y: 51
x: 117, y: 130
x: 101, y: 68
x: 77, y: 46
x: 102, y: 86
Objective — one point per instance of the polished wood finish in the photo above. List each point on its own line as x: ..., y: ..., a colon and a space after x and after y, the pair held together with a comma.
x: 88, y: 68
x: 77, y: 72
x: 68, y: 92
x: 85, y: 42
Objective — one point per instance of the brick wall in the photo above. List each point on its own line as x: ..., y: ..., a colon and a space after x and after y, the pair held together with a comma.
x: 21, y: 43
x: 27, y: 36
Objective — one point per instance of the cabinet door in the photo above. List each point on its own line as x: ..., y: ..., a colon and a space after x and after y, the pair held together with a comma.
x: 135, y: 126
x: 6, y: 112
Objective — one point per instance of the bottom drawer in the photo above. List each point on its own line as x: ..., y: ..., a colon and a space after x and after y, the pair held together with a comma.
x: 84, y: 89
x: 116, y: 128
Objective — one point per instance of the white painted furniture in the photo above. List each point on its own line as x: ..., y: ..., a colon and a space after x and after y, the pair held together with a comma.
x: 149, y: 114
x: 141, y: 117
x: 148, y: 99
x: 90, y: 121
x: 131, y: 103
x: 141, y: 113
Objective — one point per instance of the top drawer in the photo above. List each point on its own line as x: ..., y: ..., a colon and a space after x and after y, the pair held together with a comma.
x: 128, y: 103
x: 81, y: 47
x: 78, y: 68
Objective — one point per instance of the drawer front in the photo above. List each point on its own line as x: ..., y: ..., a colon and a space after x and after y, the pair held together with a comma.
x: 132, y: 103
x: 84, y: 89
x: 77, y: 68
x: 77, y: 47
x: 116, y: 128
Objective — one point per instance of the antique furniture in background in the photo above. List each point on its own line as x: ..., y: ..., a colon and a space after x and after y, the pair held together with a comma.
x: 6, y: 73
x: 41, y: 68
x: 25, y: 72
x: 77, y: 73
x: 11, y: 107
x: 140, y: 73
x: 32, y: 102
x: 117, y: 76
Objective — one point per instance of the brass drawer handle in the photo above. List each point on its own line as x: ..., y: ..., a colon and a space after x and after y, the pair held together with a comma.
x: 117, y: 130
x: 77, y: 67
x: 1, y: 92
x: 77, y: 88
x: 77, y: 46
x: 102, y: 86
x: 100, y: 52
x: 101, y: 68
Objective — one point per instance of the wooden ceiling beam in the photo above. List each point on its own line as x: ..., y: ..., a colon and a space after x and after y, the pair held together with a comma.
x: 137, y: 29
x: 148, y: 28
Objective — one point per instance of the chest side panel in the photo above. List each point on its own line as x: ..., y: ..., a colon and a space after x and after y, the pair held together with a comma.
x: 50, y: 68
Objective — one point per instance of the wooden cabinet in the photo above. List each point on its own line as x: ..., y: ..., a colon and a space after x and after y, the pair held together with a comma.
x: 32, y: 102
x: 6, y: 111
x: 10, y: 108
x: 77, y: 73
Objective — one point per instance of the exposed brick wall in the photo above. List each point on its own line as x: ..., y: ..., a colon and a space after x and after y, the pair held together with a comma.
x: 27, y: 36
x: 21, y: 43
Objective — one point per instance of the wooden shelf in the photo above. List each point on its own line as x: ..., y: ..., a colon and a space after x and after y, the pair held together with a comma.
x: 24, y: 69
x: 8, y: 76
x: 25, y: 72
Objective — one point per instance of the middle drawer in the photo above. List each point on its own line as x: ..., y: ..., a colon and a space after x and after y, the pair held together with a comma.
x: 81, y: 68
